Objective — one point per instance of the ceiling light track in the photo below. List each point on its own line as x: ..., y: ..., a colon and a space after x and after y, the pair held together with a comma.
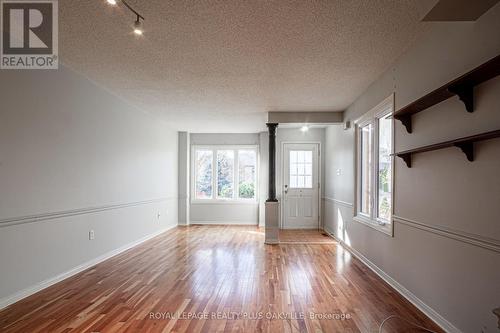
x: 139, y: 16
x: 138, y: 26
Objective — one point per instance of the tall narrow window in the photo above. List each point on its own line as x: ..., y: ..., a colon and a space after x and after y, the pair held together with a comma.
x: 225, y: 174
x: 375, y: 167
x: 204, y: 172
x: 247, y: 163
x: 384, y: 168
x: 366, y: 168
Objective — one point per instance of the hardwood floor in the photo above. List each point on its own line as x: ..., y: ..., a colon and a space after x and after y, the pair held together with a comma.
x: 305, y: 236
x: 220, y: 271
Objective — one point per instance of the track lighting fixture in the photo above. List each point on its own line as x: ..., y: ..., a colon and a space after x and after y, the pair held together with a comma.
x: 138, y: 24
x: 138, y: 30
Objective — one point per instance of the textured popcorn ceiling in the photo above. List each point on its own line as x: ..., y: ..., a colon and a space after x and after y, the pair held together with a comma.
x: 219, y: 66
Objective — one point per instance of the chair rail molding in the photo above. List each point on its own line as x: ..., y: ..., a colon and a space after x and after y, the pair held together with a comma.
x: 461, y: 236
x: 79, y: 211
x: 339, y: 202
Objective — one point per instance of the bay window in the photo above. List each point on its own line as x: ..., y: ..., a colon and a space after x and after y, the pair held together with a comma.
x: 224, y: 174
x: 375, y: 167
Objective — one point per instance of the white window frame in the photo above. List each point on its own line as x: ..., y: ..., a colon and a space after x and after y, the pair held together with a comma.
x: 386, y: 107
x: 235, y: 199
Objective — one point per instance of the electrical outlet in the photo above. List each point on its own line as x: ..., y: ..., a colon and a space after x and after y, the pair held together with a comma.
x: 339, y: 172
x: 91, y: 235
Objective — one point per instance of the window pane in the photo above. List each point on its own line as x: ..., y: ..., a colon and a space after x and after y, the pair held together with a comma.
x: 308, y: 170
x: 301, y: 182
x: 301, y: 169
x: 385, y: 168
x: 301, y: 156
x: 301, y: 173
x: 204, y: 167
x: 309, y: 182
x: 225, y: 174
x: 366, y: 168
x: 308, y: 157
x: 247, y: 160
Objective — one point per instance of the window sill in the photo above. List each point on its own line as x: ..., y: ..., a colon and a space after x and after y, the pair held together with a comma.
x: 374, y: 224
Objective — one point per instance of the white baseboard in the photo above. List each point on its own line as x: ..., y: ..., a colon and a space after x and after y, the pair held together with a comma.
x: 6, y: 301
x: 427, y: 310
x: 250, y: 223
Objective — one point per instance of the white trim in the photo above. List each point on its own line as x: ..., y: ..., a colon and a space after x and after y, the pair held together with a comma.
x: 340, y: 202
x: 385, y: 229
x: 427, y: 310
x: 219, y: 222
x: 224, y: 202
x: 300, y: 227
x: 384, y: 108
x: 6, y: 301
x: 214, y: 199
x: 283, y: 180
x: 464, y: 237
x: 80, y: 211
x: 377, y: 111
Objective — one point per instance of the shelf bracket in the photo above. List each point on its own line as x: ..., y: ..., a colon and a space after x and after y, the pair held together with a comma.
x: 466, y: 95
x: 406, y: 158
x: 467, y: 148
x: 406, y: 121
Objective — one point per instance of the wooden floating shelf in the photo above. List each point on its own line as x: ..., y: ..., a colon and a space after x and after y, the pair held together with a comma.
x: 463, y: 87
x: 465, y: 144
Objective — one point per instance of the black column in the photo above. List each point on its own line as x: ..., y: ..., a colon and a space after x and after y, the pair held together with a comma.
x: 272, y: 162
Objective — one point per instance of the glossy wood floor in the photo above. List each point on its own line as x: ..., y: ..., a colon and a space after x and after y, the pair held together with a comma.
x: 305, y: 236
x: 222, y: 272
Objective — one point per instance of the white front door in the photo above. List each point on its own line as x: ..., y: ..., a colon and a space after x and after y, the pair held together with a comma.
x: 301, y: 186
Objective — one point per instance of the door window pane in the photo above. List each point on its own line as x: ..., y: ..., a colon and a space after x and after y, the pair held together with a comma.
x: 385, y: 168
x: 247, y: 161
x: 366, y: 168
x: 308, y: 157
x: 308, y: 182
x: 301, y: 170
x: 225, y: 174
x: 301, y: 182
x: 204, y: 161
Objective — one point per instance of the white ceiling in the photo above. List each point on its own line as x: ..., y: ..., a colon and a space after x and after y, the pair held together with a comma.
x: 219, y: 66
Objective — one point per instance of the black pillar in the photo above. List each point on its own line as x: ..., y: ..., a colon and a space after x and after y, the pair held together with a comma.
x: 272, y: 162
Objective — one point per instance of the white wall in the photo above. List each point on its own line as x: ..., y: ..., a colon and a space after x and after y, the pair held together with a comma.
x: 446, y: 238
x: 224, y: 213
x: 184, y: 178
x: 74, y: 158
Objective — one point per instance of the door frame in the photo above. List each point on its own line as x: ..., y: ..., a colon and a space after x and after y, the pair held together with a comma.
x: 282, y: 170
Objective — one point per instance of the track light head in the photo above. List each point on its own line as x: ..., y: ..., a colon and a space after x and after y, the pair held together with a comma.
x: 138, y: 27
